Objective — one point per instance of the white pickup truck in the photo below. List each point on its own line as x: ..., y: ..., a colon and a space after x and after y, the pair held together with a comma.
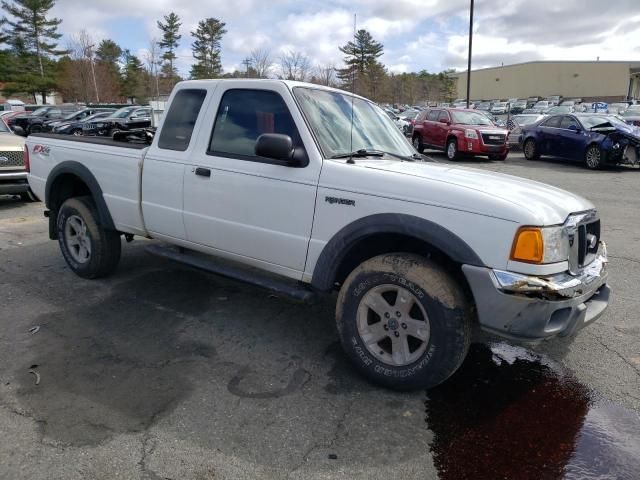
x: 302, y: 189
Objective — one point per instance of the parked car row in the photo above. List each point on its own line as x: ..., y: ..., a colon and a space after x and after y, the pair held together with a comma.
x: 85, y: 121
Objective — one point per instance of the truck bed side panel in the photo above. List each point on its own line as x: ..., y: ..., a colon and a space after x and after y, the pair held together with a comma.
x: 116, y: 168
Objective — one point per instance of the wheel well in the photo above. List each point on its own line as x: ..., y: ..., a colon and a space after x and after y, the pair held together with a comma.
x: 452, y: 137
x: 381, y: 243
x: 64, y: 187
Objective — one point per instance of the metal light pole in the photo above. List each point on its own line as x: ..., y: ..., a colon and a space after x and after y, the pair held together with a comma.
x: 469, y: 62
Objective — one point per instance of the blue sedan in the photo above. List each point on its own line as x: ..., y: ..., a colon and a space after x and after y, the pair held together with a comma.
x: 597, y: 140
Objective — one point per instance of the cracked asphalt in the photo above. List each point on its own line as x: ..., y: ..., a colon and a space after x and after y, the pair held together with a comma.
x: 162, y: 372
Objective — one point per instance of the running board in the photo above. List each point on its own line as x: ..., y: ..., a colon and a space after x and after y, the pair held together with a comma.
x: 223, y: 268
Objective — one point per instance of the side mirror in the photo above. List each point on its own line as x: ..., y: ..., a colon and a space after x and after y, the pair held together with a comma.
x: 574, y: 128
x: 275, y: 146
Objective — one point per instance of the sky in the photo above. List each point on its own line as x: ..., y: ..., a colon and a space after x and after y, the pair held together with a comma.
x: 417, y: 35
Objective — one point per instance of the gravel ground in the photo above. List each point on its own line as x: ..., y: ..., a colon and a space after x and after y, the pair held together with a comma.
x: 164, y: 372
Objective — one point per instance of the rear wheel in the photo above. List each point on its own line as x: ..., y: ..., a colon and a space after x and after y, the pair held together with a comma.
x: 90, y: 250
x: 404, y: 321
x: 35, y: 129
x: 76, y: 132
x: 452, y: 149
x: 530, y: 149
x: 593, y: 157
x: 417, y: 143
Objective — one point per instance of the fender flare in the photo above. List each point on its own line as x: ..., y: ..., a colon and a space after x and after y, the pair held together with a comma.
x: 335, y: 250
x: 83, y: 173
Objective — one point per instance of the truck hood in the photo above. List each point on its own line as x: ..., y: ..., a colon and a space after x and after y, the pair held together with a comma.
x: 11, y: 142
x: 545, y: 204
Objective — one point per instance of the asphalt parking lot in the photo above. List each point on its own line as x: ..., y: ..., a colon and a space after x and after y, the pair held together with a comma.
x: 161, y: 372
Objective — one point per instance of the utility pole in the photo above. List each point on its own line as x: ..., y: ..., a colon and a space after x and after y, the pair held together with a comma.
x: 89, y: 53
x: 469, y: 62
x: 247, y: 63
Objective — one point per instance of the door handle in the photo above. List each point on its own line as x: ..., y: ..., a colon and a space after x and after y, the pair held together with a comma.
x: 203, y: 172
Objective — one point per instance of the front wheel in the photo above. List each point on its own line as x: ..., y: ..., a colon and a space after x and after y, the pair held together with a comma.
x: 530, y: 149
x: 593, y: 157
x: 90, y: 250
x: 404, y: 321
x: 35, y: 129
x: 29, y: 196
x: 417, y: 144
x: 452, y: 149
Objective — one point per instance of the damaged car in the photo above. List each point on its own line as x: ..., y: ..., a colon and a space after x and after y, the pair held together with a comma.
x: 596, y: 140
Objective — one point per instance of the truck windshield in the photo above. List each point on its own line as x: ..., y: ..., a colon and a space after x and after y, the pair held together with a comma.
x: 329, y: 116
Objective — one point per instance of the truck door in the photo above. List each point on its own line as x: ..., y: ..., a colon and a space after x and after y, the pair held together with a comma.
x: 165, y: 162
x: 247, y: 207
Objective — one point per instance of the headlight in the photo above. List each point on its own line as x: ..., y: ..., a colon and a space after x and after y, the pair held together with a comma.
x: 470, y: 133
x: 540, y: 245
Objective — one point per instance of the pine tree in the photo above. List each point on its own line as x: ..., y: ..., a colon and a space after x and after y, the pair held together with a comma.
x: 133, y: 77
x: 170, y: 40
x: 108, y: 52
x: 206, y: 48
x: 361, y: 61
x: 34, y: 37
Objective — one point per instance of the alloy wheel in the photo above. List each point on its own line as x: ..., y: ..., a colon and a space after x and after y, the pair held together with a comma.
x: 393, y: 325
x: 77, y: 239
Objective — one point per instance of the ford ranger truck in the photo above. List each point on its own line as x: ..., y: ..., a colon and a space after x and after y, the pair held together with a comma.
x: 460, y: 132
x: 307, y: 189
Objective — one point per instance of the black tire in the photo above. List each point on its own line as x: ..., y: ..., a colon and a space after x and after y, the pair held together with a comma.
x: 104, y: 253
x: 593, y: 157
x: 29, y: 196
x: 434, y: 292
x: 417, y: 143
x: 76, y: 132
x: 35, y: 129
x: 530, y: 149
x: 452, y: 149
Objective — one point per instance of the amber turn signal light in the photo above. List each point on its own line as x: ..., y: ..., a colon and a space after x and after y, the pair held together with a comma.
x: 528, y: 246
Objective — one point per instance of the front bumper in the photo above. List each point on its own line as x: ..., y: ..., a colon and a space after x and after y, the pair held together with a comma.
x: 13, y: 182
x: 530, y: 308
x: 475, y: 146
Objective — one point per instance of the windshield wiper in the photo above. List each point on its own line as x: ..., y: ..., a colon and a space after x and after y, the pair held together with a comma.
x: 363, y: 152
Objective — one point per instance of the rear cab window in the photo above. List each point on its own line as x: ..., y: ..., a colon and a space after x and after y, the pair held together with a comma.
x: 444, y: 116
x: 180, y: 120
x: 244, y: 115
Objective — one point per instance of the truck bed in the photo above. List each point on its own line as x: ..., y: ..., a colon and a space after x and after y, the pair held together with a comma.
x: 94, y: 140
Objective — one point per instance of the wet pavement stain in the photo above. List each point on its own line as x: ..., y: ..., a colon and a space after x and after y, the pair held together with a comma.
x: 117, y: 364
x: 511, y: 414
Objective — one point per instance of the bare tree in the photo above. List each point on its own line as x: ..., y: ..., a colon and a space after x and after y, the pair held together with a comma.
x: 326, y: 74
x: 295, y: 65
x: 80, y: 48
x: 262, y: 62
x: 153, y: 61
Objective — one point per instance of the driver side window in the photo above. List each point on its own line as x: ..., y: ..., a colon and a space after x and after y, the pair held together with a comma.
x: 566, y: 122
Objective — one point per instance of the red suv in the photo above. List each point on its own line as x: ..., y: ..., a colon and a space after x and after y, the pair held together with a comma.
x: 459, y: 131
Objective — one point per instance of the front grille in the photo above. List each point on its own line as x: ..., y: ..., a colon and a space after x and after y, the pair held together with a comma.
x: 584, y: 240
x: 11, y: 159
x: 493, y: 138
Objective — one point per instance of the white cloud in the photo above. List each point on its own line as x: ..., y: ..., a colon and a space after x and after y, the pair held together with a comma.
x: 417, y: 34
